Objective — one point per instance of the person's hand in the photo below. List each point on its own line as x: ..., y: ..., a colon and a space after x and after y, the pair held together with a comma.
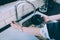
x: 16, y: 26
x: 46, y: 18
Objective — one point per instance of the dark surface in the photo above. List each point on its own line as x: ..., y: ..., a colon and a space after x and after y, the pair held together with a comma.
x: 54, y: 10
x: 54, y: 30
x: 2, y: 2
x: 36, y: 20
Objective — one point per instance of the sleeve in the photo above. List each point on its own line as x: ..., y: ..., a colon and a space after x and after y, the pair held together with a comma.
x: 54, y: 30
x: 44, y: 32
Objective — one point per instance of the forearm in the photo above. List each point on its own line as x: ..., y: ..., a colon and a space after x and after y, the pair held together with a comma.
x: 54, y: 17
x: 32, y: 30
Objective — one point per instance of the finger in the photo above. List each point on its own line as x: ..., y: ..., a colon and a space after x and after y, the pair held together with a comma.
x: 13, y: 22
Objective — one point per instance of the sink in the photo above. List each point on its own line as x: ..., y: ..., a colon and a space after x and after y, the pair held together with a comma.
x: 35, y: 18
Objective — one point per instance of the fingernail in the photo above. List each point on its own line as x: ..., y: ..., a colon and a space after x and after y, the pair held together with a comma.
x: 13, y: 22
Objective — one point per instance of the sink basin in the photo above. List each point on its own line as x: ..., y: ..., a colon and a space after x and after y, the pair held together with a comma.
x: 35, y: 18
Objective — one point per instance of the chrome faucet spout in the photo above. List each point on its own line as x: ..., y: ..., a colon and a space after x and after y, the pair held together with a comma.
x: 25, y: 1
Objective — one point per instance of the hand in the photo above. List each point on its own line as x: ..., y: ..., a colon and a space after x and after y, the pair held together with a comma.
x: 46, y: 19
x: 16, y: 26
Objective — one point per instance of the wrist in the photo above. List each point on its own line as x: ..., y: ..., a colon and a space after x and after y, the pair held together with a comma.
x: 21, y: 29
x: 50, y: 18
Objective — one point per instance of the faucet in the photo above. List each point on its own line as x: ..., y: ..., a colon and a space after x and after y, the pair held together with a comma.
x: 25, y: 1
